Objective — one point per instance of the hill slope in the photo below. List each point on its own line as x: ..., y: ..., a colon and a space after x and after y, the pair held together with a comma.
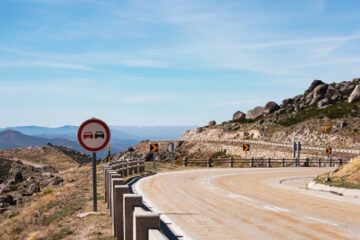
x: 61, y: 158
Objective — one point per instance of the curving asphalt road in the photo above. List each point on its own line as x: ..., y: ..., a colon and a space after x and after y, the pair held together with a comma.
x: 250, y: 203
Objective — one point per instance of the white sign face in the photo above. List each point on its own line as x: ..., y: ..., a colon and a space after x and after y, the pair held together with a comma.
x: 93, y: 135
x: 171, y: 147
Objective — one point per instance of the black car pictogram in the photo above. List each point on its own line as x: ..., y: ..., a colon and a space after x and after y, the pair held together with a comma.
x: 99, y: 134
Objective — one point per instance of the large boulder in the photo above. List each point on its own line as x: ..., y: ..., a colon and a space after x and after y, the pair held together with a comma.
x: 212, y: 123
x: 271, y: 107
x: 254, y: 113
x: 323, y: 102
x: 313, y: 85
x: 238, y: 115
x: 319, y: 93
x: 355, y: 95
x: 287, y: 101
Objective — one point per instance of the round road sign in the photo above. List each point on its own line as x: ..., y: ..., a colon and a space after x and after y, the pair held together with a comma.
x: 93, y: 135
x: 171, y: 147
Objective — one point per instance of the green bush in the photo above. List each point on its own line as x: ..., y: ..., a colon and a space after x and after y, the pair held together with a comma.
x: 338, y: 110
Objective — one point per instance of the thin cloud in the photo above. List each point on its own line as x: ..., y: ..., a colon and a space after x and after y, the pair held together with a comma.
x: 146, y: 98
x: 48, y: 65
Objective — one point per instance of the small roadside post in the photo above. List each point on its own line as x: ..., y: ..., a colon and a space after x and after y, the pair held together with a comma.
x: 109, y: 160
x: 171, y: 149
x: 93, y: 135
x: 294, y: 151
x: 154, y: 148
x: 299, y: 150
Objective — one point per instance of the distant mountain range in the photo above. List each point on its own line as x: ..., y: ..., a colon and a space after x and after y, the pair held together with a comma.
x: 117, y: 132
x: 121, y: 137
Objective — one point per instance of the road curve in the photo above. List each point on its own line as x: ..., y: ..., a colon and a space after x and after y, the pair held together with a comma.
x: 250, y: 203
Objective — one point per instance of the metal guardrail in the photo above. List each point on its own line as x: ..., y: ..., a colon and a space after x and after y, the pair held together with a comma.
x: 268, y: 162
x: 351, y: 151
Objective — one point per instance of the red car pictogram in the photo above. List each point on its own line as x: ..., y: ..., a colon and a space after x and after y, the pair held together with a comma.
x: 88, y: 135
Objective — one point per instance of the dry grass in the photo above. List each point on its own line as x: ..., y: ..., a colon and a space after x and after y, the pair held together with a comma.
x: 52, y: 214
x: 347, y: 176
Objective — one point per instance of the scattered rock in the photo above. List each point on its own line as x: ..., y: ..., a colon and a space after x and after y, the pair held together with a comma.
x: 19, y: 162
x: 34, y: 188
x: 238, y: 115
x: 254, y: 113
x: 340, y: 124
x: 271, y: 107
x: 355, y: 95
x: 131, y: 149
x: 58, y: 180
x: 323, y: 102
x: 260, y: 122
x: 9, y: 199
x: 18, y: 177
x: 212, y: 123
x: 280, y: 111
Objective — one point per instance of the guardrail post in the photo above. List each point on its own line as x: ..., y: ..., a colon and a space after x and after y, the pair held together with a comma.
x: 130, y: 202
x: 143, y: 222
x: 231, y: 162
x: 185, y: 162
x: 136, y: 167
x: 283, y: 162
x: 209, y: 162
x: 252, y: 162
x: 130, y: 168
x: 114, y: 182
x: 340, y: 162
x: 319, y: 163
x: 295, y: 161
x: 110, y: 188
x: 330, y: 162
x: 110, y: 177
x: 118, y: 220
x: 269, y: 162
x: 307, y: 163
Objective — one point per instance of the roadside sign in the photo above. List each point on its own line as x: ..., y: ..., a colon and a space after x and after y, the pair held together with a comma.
x: 171, y: 147
x: 246, y: 147
x: 154, y: 147
x: 328, y: 151
x: 93, y: 135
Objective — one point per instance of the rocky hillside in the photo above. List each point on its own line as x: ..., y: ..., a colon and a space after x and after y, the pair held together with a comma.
x: 325, y: 115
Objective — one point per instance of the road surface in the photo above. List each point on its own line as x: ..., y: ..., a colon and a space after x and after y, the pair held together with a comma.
x: 251, y: 203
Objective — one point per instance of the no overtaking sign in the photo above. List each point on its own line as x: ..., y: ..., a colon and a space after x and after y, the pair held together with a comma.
x: 93, y: 135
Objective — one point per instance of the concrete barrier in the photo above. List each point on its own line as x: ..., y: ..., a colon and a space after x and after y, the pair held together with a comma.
x: 111, y: 175
x: 146, y: 225
x: 130, y: 201
x: 118, y: 211
x: 114, y: 182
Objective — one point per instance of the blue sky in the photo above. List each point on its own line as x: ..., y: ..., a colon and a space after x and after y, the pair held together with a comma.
x: 167, y: 62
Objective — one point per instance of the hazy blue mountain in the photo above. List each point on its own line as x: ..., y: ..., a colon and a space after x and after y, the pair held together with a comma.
x: 117, y: 132
x: 68, y: 132
x: 14, y: 139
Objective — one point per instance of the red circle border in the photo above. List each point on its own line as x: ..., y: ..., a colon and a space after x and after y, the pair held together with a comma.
x: 98, y: 121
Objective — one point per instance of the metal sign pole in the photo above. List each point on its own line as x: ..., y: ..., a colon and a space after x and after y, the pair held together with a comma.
x: 171, y: 159
x: 94, y: 182
x: 154, y: 159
